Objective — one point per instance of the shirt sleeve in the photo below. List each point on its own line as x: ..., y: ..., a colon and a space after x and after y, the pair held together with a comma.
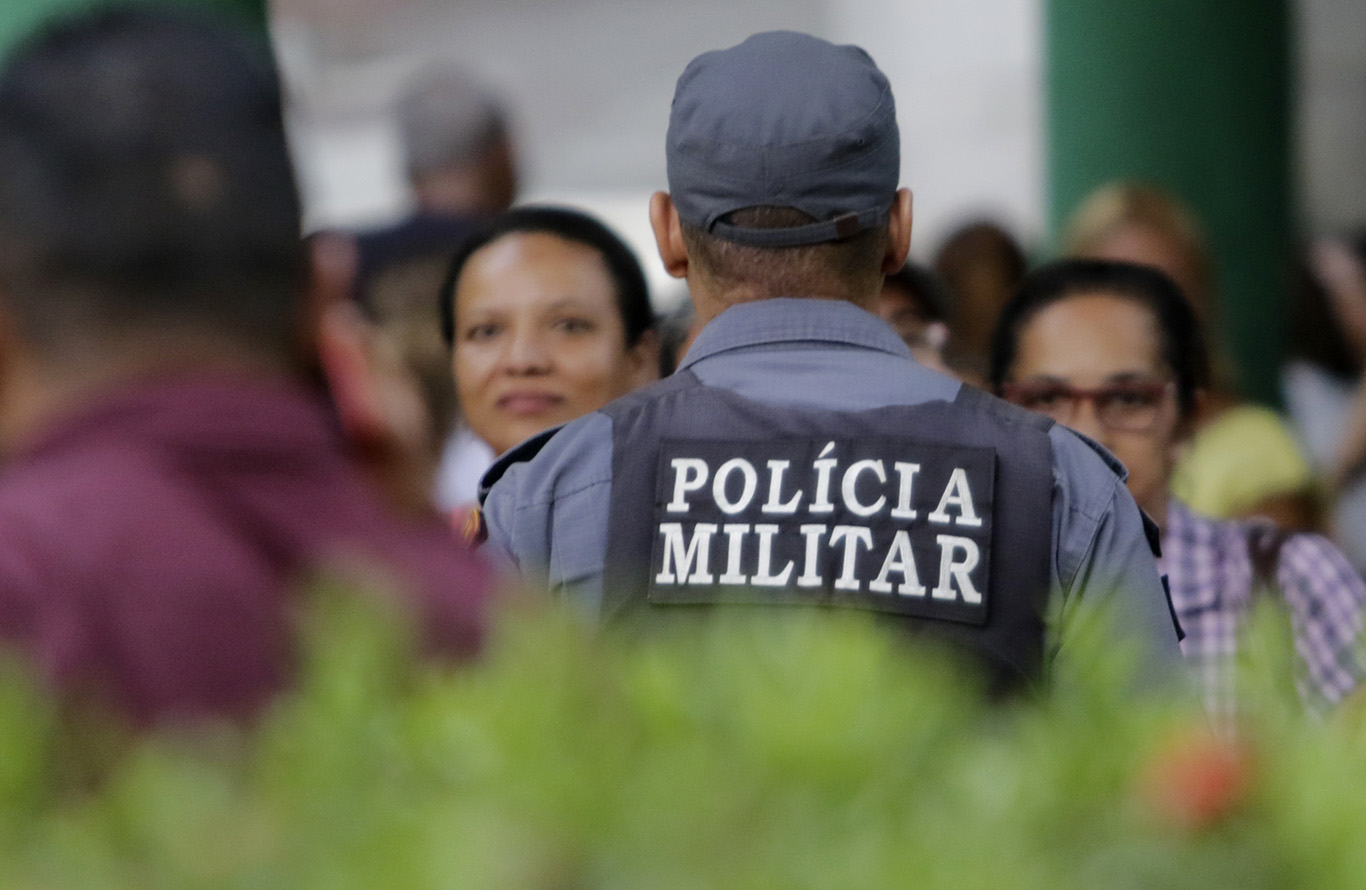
x: 1103, y: 561
x: 1327, y: 600
x: 548, y: 517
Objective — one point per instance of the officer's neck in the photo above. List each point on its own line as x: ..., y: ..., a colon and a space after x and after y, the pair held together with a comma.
x: 710, y: 303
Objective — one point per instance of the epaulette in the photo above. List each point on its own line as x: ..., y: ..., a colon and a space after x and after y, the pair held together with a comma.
x: 515, y: 455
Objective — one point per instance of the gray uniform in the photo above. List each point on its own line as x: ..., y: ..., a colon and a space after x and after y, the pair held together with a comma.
x: 550, y: 515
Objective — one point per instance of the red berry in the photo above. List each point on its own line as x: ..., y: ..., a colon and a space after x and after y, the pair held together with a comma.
x: 1197, y: 779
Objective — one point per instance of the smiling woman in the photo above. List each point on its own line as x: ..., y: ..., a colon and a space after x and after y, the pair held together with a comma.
x: 548, y: 319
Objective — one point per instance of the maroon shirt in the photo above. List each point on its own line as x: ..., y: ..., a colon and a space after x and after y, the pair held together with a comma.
x: 152, y: 544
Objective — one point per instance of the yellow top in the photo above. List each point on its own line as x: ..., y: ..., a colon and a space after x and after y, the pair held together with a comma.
x: 1243, y: 456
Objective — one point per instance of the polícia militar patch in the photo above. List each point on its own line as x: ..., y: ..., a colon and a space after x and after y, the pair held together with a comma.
x: 888, y: 524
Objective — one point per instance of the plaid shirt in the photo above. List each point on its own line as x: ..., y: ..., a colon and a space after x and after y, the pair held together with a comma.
x: 1211, y: 576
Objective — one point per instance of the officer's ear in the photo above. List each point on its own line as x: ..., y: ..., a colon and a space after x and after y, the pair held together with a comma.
x: 898, y: 233
x: 668, y: 234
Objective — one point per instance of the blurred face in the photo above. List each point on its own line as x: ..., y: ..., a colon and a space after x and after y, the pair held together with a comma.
x: 1092, y: 362
x: 922, y: 334
x: 1147, y: 246
x: 539, y: 339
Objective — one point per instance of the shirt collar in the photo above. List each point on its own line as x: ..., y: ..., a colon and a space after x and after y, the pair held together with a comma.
x: 794, y: 320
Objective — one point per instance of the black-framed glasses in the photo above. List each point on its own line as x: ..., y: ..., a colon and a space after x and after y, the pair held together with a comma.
x: 1127, y: 406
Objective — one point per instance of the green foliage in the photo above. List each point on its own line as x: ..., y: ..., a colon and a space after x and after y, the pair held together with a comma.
x: 773, y: 750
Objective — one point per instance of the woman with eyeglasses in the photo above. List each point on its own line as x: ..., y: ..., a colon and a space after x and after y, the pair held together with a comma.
x: 1114, y: 351
x: 1241, y: 460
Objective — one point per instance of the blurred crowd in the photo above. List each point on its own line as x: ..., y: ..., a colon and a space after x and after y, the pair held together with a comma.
x: 201, y: 411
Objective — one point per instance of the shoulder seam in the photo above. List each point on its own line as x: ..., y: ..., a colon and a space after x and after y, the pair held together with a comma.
x: 542, y: 502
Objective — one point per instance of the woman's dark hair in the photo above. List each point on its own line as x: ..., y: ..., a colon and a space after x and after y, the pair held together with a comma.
x: 633, y: 296
x: 1182, y: 342
x: 924, y: 288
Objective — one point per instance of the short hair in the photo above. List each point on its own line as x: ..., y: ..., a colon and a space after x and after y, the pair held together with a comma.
x: 1119, y: 204
x: 1181, y: 342
x: 447, y: 119
x: 145, y: 180
x: 979, y: 243
x: 849, y: 264
x: 632, y: 293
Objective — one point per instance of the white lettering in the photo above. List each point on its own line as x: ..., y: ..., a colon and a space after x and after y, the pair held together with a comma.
x: 957, y: 493
x: 735, y: 536
x: 675, y: 554
x: 849, y: 487
x: 949, y: 568
x: 723, y: 474
x: 776, y: 468
x: 901, y: 559
x: 764, y: 576
x: 813, y: 535
x: 690, y: 474
x: 906, y: 473
x: 821, y: 502
x: 852, y: 535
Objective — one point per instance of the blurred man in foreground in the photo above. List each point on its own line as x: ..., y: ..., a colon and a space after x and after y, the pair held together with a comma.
x: 174, y: 477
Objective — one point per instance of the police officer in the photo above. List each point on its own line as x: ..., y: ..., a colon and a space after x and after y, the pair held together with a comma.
x: 800, y: 454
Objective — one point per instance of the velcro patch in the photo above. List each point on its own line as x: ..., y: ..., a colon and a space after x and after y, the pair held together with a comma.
x: 889, y: 524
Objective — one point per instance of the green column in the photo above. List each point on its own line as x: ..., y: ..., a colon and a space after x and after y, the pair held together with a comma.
x: 1194, y: 96
x: 19, y: 17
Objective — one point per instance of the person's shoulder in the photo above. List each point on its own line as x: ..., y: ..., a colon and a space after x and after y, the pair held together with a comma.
x: 80, y: 487
x: 1087, y: 478
x: 39, y: 507
x: 102, y: 517
x: 1224, y: 537
x: 998, y: 410
x: 1085, y: 457
x: 1314, y: 555
x: 564, y: 475
x: 571, y: 456
x: 576, y: 453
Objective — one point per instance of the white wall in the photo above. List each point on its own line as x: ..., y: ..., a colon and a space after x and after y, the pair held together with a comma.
x: 967, y: 75
x: 590, y: 83
x: 1331, y: 140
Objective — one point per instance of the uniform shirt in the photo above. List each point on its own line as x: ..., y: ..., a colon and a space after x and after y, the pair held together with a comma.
x: 549, y: 516
x: 1211, y: 578
x: 153, y: 543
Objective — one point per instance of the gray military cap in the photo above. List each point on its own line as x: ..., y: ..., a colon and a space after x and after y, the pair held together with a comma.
x: 787, y: 120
